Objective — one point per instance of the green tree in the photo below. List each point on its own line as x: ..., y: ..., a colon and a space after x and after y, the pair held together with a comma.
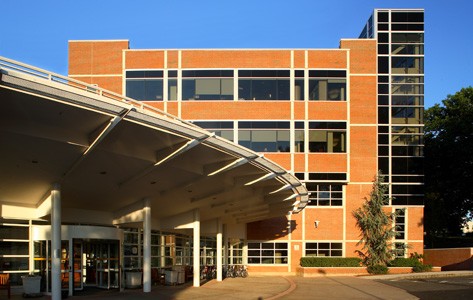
x: 375, y: 225
x: 449, y: 164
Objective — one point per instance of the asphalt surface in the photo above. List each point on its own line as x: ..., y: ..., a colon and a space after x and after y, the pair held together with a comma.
x: 439, y: 285
x: 436, y: 288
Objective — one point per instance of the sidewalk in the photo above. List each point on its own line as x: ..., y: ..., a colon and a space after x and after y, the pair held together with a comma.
x: 419, y: 275
x: 272, y: 287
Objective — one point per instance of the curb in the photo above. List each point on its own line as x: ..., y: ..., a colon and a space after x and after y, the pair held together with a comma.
x: 420, y: 275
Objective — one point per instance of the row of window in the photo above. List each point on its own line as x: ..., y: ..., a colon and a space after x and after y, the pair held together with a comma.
x: 277, y: 252
x: 268, y: 85
x: 261, y: 136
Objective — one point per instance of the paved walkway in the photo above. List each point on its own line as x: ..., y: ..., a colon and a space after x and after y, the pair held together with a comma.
x: 270, y: 288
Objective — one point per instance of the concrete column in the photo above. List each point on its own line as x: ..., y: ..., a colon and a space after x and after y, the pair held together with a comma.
x: 245, y: 252
x: 196, y: 249
x: 219, y: 250
x: 56, y: 242
x: 225, y: 246
x: 147, y: 246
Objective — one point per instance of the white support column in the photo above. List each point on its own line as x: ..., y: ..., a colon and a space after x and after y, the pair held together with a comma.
x: 225, y: 246
x: 56, y: 242
x: 147, y: 246
x: 219, y: 249
x: 196, y: 249
x: 245, y: 252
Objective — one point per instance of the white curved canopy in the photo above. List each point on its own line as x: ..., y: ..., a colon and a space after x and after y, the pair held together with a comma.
x: 109, y: 153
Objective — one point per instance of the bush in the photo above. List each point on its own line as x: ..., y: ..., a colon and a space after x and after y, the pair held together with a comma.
x: 404, y: 262
x: 377, y: 269
x: 422, y: 268
x: 330, y: 262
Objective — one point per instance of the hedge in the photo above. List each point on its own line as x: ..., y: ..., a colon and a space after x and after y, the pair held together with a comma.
x: 404, y: 262
x: 330, y: 262
x: 413, y: 262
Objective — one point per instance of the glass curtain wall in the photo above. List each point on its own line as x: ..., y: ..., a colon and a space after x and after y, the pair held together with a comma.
x: 400, y: 37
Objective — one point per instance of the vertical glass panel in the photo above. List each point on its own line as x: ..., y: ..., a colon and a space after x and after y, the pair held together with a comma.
x: 299, y: 141
x: 407, y: 65
x: 299, y: 89
x: 172, y: 89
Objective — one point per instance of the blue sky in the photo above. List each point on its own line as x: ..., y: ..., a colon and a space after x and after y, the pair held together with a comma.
x: 37, y: 32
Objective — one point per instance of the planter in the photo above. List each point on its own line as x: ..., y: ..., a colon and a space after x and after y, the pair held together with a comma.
x: 31, y: 285
x: 133, y: 279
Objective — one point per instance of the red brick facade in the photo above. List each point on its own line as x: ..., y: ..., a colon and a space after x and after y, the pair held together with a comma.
x: 104, y: 63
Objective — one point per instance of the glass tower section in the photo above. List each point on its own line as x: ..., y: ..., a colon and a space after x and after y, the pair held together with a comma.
x: 400, y: 40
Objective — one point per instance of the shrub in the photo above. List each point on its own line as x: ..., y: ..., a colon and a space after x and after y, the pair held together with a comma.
x: 330, y: 262
x: 377, y: 269
x: 404, y: 262
x: 422, y: 268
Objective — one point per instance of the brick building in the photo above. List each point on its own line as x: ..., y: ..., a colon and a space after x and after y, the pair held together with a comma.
x: 330, y: 118
x: 333, y: 117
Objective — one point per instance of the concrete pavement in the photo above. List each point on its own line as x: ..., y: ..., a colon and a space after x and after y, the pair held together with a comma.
x: 272, y: 287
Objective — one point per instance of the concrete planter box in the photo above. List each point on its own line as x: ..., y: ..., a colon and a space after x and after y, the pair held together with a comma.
x: 133, y: 279
x: 31, y: 285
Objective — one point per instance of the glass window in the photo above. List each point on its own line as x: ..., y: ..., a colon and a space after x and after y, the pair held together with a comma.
x: 144, y: 85
x: 263, y: 85
x: 221, y: 128
x: 299, y: 85
x: 399, y: 38
x: 383, y: 17
x: 407, y: 65
x: 399, y: 89
x: 323, y: 249
x: 327, y: 137
x: 327, y: 85
x: 206, y: 88
x: 400, y: 224
x: 325, y: 194
x: 407, y: 100
x: 404, y: 49
x: 267, y: 253
x: 383, y: 65
x: 265, y: 136
x: 327, y: 176
x: 407, y: 115
x: 172, y: 85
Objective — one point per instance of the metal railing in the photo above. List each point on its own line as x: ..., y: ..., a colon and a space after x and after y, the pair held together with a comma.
x: 9, y: 64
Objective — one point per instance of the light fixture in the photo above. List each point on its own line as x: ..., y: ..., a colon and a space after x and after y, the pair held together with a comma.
x: 316, y: 224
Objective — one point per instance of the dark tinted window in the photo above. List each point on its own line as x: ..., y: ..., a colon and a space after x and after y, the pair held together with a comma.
x: 383, y: 17
x: 214, y: 124
x: 383, y: 115
x: 263, y: 73
x: 383, y: 164
x: 327, y: 73
x: 407, y: 17
x: 383, y: 49
x: 327, y: 176
x: 383, y: 89
x: 327, y: 125
x: 264, y: 125
x: 407, y: 27
x: 383, y: 100
x: 383, y: 65
x: 383, y: 38
x: 383, y: 27
x: 383, y: 150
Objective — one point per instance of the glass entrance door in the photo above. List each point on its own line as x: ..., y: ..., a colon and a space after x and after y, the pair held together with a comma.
x: 101, y: 262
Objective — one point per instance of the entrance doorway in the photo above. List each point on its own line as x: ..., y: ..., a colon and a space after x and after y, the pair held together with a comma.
x: 100, y: 263
x: 84, y: 262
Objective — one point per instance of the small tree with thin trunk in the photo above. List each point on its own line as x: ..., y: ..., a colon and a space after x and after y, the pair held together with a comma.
x: 375, y: 225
